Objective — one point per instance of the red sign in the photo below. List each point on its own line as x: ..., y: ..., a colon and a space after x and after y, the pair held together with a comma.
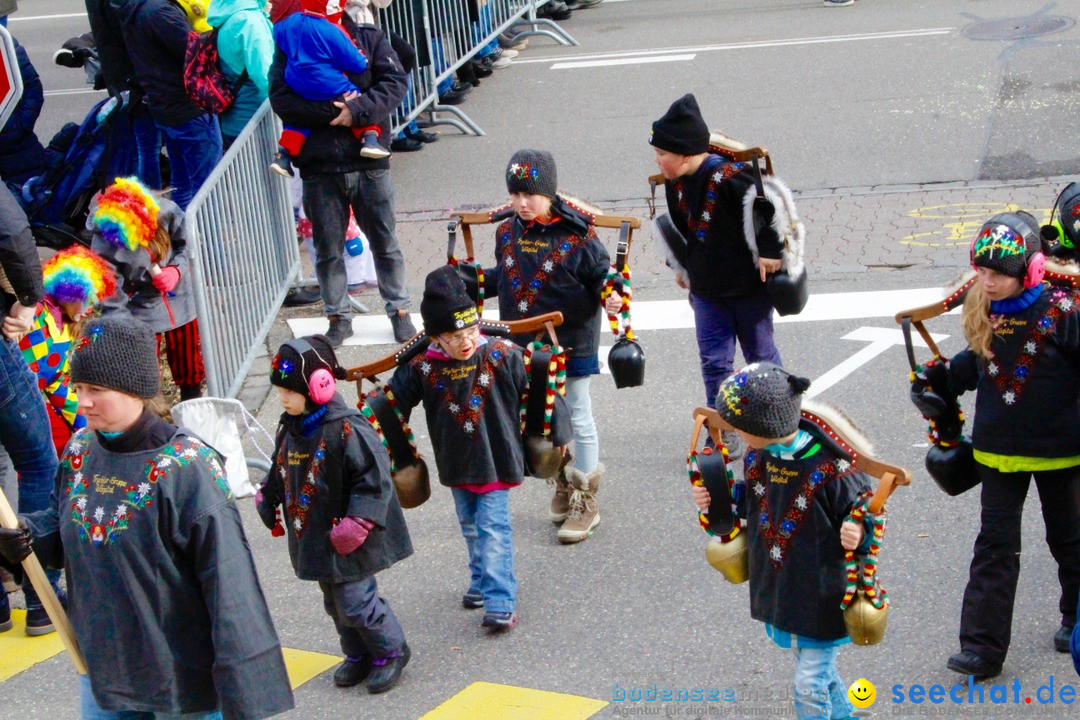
x: 10, y: 78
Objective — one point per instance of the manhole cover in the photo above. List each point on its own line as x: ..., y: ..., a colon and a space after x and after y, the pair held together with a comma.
x: 1017, y: 28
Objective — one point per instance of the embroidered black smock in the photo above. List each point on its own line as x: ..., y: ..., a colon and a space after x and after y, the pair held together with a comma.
x: 473, y: 412
x: 341, y: 469
x: 1027, y: 400
x: 718, y: 260
x: 162, y: 589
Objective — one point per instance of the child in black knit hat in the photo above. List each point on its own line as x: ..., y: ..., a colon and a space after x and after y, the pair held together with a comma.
x: 331, y: 475
x: 548, y: 257
x: 471, y: 388
x: 708, y: 198
x: 797, y: 498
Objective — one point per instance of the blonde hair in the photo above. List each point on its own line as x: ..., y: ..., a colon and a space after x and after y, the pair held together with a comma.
x: 978, y: 329
x: 160, y: 245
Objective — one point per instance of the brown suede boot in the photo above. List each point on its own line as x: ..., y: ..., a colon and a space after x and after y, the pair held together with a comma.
x: 560, y: 503
x: 584, y: 513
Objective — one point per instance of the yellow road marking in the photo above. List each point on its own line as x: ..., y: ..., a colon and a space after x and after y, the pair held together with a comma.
x: 19, y: 652
x: 303, y: 665
x: 488, y: 701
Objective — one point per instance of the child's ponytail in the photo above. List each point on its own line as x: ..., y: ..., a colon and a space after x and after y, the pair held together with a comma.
x: 978, y: 329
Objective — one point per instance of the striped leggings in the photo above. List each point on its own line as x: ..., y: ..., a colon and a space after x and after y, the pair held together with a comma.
x: 184, y: 354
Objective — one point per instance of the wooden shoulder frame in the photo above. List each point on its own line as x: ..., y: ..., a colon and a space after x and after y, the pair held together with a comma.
x: 419, y: 342
x: 954, y: 298
x: 842, y: 433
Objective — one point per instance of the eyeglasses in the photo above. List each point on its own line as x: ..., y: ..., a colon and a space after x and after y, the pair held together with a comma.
x: 460, y: 337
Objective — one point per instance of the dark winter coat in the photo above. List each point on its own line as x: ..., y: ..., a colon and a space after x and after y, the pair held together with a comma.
x: 719, y: 262
x: 155, y: 35
x: 473, y: 412
x: 798, y: 579
x: 331, y: 148
x: 527, y: 286
x: 21, y: 153
x: 105, y: 24
x: 340, y: 470
x: 162, y: 589
x: 1027, y: 399
x: 18, y: 254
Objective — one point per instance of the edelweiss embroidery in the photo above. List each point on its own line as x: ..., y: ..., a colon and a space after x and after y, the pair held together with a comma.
x: 699, y: 226
x: 297, y: 507
x: 525, y: 293
x: 467, y: 415
x: 1010, y: 382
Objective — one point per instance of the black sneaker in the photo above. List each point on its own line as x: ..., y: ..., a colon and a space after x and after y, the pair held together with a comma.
x: 282, y: 165
x: 966, y: 662
x: 1062, y: 638
x: 352, y: 672
x: 472, y: 599
x: 555, y: 10
x: 453, y: 97
x: 5, y: 614
x: 38, y: 622
x: 340, y: 328
x: 481, y: 70
x: 406, y: 144
x: 404, y: 330
x: 302, y: 296
x: 386, y: 671
x: 422, y: 136
x: 499, y: 620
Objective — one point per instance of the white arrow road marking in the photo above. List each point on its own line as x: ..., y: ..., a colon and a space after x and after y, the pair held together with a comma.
x: 374, y: 329
x: 621, y: 61
x: 880, y: 339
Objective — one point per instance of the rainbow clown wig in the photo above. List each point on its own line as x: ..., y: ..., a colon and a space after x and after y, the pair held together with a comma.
x: 127, y: 214
x: 78, y: 275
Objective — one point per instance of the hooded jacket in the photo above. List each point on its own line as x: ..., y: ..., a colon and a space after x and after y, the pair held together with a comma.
x: 319, y: 53
x: 334, y: 149
x: 21, y: 153
x: 245, y: 42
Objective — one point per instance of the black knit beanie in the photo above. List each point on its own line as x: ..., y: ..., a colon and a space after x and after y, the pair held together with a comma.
x: 532, y: 171
x: 763, y: 400
x: 446, y: 305
x: 1005, y: 243
x: 119, y: 353
x: 294, y: 363
x: 681, y: 130
x: 1068, y: 211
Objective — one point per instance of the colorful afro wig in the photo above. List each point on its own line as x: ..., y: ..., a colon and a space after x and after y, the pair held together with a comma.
x: 127, y: 214
x: 79, y: 275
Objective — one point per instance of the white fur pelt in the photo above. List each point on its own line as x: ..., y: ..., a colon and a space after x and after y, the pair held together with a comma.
x: 840, y: 424
x: 786, y: 223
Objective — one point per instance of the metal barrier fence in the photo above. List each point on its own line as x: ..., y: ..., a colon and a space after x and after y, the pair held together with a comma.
x: 244, y: 254
x: 448, y: 33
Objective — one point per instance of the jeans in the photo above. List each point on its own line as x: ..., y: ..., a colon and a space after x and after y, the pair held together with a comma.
x: 25, y: 435
x: 485, y: 525
x: 194, y: 151
x: 719, y: 323
x: 327, y: 198
x: 147, y: 147
x: 89, y: 710
x: 366, y: 626
x: 586, y: 442
x: 986, y: 617
x: 819, y: 692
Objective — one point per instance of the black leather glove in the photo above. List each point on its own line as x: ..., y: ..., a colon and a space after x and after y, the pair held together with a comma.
x: 764, y: 210
x: 15, y: 545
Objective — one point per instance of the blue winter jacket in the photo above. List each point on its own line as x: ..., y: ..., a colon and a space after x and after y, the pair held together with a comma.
x: 245, y: 42
x: 317, y: 55
x: 21, y: 154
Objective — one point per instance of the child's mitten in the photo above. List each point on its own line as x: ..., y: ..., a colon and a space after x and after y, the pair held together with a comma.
x: 349, y: 534
x: 268, y: 513
x: 167, y: 280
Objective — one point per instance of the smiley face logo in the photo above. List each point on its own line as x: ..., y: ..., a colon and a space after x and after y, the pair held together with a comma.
x: 862, y: 693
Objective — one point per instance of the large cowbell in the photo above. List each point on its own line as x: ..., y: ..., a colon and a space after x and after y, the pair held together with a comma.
x: 626, y: 361
x: 542, y: 458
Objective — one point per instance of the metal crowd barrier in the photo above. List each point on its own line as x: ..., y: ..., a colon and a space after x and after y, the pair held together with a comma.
x: 244, y: 254
x: 448, y: 33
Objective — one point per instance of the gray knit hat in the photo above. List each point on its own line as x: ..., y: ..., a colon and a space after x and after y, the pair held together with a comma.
x: 532, y: 171
x: 118, y: 353
x: 763, y: 400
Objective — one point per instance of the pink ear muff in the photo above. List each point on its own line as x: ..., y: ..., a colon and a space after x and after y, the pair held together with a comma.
x: 1036, y: 269
x: 321, y: 386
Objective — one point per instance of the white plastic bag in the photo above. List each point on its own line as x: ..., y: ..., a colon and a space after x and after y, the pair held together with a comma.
x: 218, y: 421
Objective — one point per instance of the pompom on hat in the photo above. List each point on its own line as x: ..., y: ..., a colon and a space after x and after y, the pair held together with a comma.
x: 127, y: 214
x: 763, y: 400
x: 681, y: 130
x: 77, y: 274
x: 120, y: 353
x: 532, y: 171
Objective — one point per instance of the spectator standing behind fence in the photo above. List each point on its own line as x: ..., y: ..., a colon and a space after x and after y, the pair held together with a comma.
x: 165, y: 600
x: 24, y: 420
x: 319, y: 53
x: 155, y: 36
x: 245, y: 44
x: 21, y: 153
x: 336, y: 177
x: 136, y: 232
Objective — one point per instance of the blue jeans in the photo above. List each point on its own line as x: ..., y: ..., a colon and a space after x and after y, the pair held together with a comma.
x: 327, y: 198
x: 719, y: 323
x: 194, y: 151
x: 819, y: 692
x: 147, y: 147
x: 586, y: 442
x: 485, y: 524
x: 89, y: 710
x: 25, y: 435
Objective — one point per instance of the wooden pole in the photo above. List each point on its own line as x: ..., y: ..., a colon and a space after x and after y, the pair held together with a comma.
x: 36, y: 574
